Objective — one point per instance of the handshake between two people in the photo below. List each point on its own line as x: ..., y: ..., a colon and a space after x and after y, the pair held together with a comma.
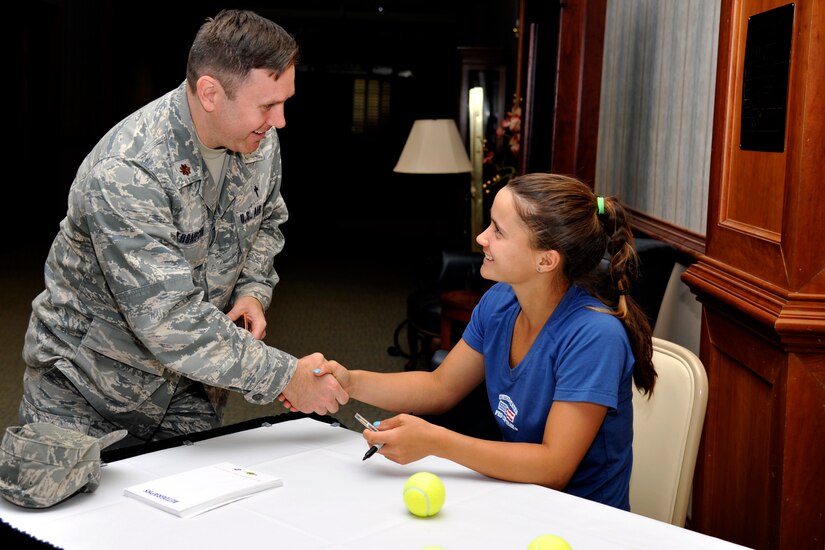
x: 321, y: 386
x: 313, y: 387
x: 306, y: 392
x: 403, y: 438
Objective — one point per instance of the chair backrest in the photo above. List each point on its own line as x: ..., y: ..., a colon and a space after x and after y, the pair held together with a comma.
x: 666, y: 433
x: 459, y: 270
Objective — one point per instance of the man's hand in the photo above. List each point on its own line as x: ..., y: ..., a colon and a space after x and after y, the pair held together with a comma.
x: 254, y: 312
x: 308, y: 392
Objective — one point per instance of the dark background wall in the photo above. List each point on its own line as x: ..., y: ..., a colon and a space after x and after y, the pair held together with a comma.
x: 85, y: 65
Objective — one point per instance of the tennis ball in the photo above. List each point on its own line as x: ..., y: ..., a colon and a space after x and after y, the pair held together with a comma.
x: 549, y: 542
x: 424, y: 494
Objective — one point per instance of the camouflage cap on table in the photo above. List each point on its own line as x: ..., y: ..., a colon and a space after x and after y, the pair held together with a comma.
x: 42, y: 464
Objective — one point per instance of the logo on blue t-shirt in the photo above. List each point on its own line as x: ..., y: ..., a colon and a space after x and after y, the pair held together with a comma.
x: 507, y: 410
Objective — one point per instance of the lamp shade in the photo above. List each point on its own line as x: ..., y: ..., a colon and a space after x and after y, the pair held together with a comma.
x: 433, y: 147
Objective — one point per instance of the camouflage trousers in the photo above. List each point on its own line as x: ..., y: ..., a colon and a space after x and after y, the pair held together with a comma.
x: 48, y: 396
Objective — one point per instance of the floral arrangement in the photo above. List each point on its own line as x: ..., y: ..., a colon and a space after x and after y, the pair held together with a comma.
x: 500, y: 165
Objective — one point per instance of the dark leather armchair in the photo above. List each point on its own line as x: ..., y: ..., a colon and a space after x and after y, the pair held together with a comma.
x: 656, y: 261
x: 448, y: 270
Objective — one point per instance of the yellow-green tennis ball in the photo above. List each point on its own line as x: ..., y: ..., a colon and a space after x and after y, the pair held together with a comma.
x: 424, y: 494
x: 549, y: 542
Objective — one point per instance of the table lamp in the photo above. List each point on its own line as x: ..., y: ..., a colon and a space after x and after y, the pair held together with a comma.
x: 434, y: 146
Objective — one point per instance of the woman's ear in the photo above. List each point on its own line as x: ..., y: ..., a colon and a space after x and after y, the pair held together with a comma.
x: 549, y: 260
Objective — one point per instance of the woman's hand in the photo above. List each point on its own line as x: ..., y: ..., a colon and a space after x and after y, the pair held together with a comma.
x: 405, y: 438
x: 337, y: 370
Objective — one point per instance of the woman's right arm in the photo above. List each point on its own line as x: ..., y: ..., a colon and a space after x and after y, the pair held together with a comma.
x: 417, y: 392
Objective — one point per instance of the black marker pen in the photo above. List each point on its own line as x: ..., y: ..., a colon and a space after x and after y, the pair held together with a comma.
x: 371, y: 451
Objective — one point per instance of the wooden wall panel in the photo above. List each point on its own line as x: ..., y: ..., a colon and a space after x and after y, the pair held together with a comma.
x: 757, y: 193
x: 578, y: 88
x: 801, y: 233
x: 756, y: 208
x: 760, y: 479
x: 742, y: 368
x: 804, y: 441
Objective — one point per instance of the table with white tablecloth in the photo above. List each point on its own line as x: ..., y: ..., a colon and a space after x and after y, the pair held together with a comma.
x: 332, y: 499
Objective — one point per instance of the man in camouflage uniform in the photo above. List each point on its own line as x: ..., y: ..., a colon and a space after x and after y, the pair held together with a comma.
x: 172, y: 227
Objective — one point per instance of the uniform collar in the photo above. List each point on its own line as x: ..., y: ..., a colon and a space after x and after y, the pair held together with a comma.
x: 186, y: 157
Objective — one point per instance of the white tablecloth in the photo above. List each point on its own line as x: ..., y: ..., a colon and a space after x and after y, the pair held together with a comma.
x: 331, y: 499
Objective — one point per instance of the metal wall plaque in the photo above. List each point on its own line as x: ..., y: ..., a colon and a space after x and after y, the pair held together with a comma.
x: 765, y: 80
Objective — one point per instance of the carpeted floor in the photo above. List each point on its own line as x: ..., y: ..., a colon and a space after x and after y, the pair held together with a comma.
x: 347, y: 310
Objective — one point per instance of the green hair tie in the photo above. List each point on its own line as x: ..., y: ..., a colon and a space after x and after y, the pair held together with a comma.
x: 600, y: 204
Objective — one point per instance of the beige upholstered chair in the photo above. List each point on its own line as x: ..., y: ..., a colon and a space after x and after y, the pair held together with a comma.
x: 667, y: 428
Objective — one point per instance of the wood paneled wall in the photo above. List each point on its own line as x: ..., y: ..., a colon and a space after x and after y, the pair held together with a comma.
x: 760, y: 476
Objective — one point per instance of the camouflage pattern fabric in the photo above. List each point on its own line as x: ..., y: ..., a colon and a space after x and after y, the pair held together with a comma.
x: 42, y: 464
x: 142, y: 271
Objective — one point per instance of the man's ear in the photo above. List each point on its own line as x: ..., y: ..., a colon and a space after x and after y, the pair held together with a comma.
x: 549, y: 260
x: 209, y: 90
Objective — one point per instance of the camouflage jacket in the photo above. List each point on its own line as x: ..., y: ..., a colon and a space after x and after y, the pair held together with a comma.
x: 142, y: 271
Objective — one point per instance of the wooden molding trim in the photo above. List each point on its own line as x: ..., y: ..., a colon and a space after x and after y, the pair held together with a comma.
x: 685, y: 241
x: 796, y: 321
x: 710, y: 278
x: 801, y: 325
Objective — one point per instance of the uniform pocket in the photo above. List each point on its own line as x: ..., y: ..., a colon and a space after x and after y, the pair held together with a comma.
x: 120, y: 346
x: 119, y: 377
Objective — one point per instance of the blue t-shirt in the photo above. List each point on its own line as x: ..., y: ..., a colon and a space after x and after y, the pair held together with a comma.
x: 580, y: 355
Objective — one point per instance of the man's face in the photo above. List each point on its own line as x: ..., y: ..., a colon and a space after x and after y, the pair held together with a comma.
x: 240, y: 123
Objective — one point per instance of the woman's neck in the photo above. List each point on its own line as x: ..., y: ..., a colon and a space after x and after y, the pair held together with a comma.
x: 538, y: 302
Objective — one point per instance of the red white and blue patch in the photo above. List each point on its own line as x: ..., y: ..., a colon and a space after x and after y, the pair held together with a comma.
x: 507, y: 411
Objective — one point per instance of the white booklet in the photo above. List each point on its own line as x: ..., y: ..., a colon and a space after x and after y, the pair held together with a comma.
x: 195, y: 491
